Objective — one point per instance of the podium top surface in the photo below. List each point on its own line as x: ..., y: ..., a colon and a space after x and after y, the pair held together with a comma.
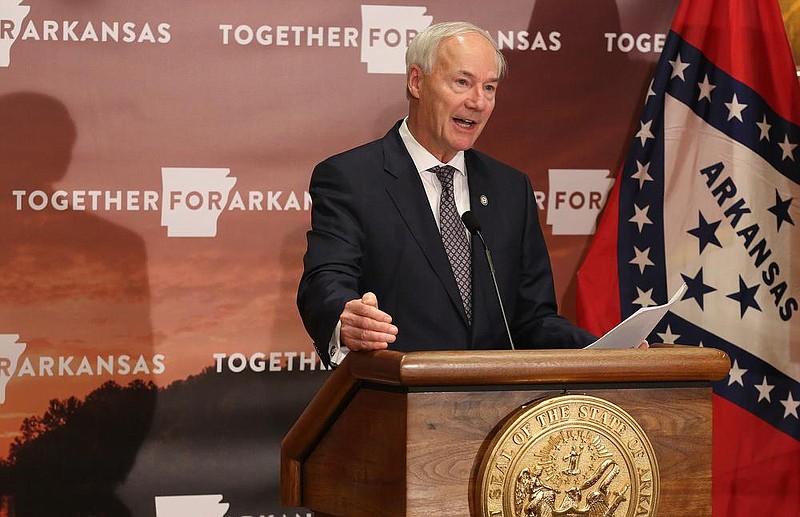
x: 660, y: 363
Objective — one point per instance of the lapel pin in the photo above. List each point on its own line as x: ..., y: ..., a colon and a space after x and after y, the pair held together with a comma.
x: 484, y: 200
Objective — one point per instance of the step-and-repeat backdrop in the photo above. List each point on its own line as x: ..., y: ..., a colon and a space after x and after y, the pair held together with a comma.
x: 154, y: 165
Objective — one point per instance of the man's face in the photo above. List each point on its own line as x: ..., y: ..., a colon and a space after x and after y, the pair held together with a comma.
x: 450, y: 107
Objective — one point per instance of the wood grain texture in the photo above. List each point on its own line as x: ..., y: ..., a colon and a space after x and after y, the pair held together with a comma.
x: 309, y: 429
x: 362, y: 451
x: 448, y: 434
x: 660, y: 363
x: 360, y: 469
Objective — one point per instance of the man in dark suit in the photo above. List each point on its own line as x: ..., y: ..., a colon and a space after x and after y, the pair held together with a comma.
x: 385, y: 224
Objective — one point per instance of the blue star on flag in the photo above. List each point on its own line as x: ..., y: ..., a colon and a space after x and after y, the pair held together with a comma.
x: 696, y: 288
x: 706, y: 233
x: 746, y: 296
x: 781, y: 210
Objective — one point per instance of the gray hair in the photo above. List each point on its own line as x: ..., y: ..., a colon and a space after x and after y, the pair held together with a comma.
x: 422, y: 50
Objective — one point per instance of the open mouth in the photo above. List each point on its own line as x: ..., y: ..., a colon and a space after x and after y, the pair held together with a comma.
x: 464, y: 122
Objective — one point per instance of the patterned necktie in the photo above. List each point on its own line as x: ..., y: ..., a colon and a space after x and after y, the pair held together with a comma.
x: 454, y: 237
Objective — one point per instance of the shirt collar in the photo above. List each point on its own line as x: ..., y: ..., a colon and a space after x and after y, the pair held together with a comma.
x: 423, y: 159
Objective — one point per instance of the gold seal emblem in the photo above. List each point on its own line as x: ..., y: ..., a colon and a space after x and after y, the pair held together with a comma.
x: 569, y: 456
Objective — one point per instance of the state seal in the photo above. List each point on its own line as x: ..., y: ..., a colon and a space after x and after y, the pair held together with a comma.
x: 569, y: 456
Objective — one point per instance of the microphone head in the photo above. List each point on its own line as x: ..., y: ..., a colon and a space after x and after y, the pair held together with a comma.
x: 471, y: 222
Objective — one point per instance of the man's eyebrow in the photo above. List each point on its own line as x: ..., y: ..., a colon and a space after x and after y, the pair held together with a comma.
x: 494, y: 79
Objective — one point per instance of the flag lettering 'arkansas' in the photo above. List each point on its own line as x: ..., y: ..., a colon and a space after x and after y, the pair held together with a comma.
x: 710, y: 195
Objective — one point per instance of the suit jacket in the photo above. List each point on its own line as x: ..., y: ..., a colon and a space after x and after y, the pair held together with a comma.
x: 372, y: 229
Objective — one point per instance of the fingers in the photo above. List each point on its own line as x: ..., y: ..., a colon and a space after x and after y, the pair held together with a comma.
x: 370, y: 299
x: 364, y: 326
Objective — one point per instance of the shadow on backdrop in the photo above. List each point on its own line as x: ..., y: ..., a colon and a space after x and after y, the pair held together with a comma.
x: 74, y: 287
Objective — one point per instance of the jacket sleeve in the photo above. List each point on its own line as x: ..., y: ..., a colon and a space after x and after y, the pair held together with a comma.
x: 332, y: 263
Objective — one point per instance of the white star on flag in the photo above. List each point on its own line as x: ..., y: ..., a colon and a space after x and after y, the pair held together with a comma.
x: 668, y: 336
x: 791, y: 406
x: 678, y: 67
x: 788, y: 148
x: 645, y: 298
x: 642, y: 259
x: 705, y: 89
x: 735, y: 109
x: 640, y: 217
x: 763, y: 390
x: 642, y: 173
x: 736, y: 374
x: 764, y: 127
x: 644, y: 132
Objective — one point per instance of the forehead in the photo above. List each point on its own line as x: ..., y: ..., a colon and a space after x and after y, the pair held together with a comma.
x: 469, y: 52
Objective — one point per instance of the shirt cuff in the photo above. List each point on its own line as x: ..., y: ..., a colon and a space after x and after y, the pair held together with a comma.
x: 336, y: 350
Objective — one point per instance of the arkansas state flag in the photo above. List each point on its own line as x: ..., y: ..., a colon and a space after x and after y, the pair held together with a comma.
x: 709, y: 195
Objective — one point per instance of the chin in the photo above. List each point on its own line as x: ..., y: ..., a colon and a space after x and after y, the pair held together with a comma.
x: 466, y: 145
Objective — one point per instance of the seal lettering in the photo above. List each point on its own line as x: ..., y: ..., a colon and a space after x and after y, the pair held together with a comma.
x: 569, y: 456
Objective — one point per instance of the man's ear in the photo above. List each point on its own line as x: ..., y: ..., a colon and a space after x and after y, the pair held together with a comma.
x: 414, y: 80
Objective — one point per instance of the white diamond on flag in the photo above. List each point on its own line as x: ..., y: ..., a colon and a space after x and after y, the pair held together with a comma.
x: 723, y: 205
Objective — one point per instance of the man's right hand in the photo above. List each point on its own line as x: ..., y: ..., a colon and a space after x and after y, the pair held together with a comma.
x: 364, y: 326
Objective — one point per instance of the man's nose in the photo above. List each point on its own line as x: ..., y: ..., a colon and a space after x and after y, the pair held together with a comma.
x: 477, y: 99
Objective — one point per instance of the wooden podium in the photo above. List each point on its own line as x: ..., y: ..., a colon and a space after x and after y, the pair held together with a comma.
x: 405, y: 434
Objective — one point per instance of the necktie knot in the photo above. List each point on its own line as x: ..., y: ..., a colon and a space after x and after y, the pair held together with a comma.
x: 445, y: 174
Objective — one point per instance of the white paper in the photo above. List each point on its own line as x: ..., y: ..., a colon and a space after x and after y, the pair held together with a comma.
x: 636, y: 327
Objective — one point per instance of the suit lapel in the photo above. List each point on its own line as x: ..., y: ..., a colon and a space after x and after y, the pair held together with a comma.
x: 483, y: 202
x: 408, y: 195
x: 482, y: 198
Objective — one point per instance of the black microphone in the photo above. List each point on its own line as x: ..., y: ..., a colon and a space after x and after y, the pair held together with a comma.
x: 474, y: 227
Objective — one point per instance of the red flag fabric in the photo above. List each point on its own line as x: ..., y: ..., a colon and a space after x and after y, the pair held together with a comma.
x: 709, y: 196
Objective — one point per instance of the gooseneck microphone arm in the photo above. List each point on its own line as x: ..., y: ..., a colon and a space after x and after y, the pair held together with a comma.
x: 474, y: 227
